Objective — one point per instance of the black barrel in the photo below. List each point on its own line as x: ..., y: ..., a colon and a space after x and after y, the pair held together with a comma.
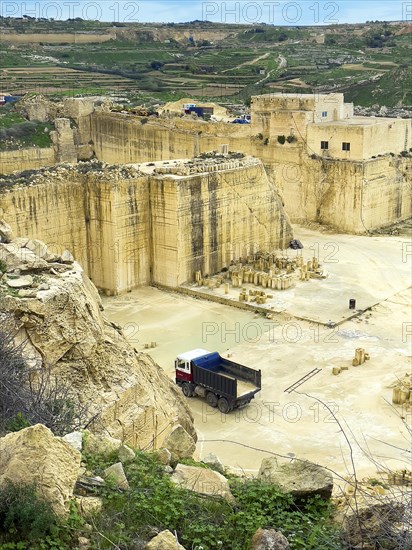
x: 352, y: 303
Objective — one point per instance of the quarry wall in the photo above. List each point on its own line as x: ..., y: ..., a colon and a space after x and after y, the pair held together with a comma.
x: 202, y: 222
x: 30, y: 158
x: 351, y: 190
x: 325, y: 191
x: 128, y: 229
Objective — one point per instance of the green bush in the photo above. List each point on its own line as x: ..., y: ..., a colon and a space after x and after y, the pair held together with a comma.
x: 17, y: 423
x: 24, y: 516
x: 155, y: 503
x: 281, y: 139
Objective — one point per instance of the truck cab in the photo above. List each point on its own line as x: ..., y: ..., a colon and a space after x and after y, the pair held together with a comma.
x: 183, y: 365
x: 225, y: 384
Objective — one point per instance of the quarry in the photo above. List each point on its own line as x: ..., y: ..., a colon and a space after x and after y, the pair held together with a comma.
x: 134, y: 239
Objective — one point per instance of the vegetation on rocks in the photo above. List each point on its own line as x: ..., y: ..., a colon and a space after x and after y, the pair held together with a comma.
x: 130, y: 518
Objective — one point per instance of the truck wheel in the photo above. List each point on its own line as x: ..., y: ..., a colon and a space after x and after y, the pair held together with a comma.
x: 211, y: 399
x: 187, y: 390
x: 223, y: 405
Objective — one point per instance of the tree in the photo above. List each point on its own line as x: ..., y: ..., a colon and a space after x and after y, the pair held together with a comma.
x: 31, y: 395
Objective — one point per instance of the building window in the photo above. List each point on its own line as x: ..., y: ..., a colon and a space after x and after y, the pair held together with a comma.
x: 345, y: 146
x: 324, y: 145
x: 324, y: 114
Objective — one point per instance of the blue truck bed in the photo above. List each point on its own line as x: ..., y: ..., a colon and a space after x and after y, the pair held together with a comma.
x: 226, y: 377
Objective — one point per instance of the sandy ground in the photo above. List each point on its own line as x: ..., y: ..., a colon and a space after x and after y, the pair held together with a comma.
x: 368, y: 269
x: 374, y: 270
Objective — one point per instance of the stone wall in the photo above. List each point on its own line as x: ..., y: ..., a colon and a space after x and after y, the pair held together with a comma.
x: 26, y: 159
x: 382, y: 136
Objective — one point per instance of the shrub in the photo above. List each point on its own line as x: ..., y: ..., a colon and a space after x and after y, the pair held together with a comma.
x: 30, y: 395
x: 291, y: 139
x: 155, y: 503
x: 24, y: 515
x: 281, y: 139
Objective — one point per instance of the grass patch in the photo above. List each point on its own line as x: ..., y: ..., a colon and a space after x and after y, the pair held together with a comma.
x: 17, y: 132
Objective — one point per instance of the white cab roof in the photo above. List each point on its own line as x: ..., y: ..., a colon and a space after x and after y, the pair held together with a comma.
x: 192, y: 354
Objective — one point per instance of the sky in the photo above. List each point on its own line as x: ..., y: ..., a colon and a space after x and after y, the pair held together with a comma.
x: 281, y: 12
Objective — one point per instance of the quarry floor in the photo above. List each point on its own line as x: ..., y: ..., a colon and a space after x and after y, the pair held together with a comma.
x: 376, y: 271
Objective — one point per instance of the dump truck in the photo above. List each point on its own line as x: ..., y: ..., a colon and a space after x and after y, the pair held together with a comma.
x: 225, y: 384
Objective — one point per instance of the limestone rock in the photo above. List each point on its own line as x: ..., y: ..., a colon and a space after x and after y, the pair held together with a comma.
x: 21, y: 282
x: 84, y: 543
x: 27, y: 293
x: 86, y: 485
x: 116, y: 474
x: 35, y: 455
x: 6, y: 233
x: 180, y: 444
x: 67, y: 257
x: 128, y: 395
x: 269, y: 539
x: 214, y: 462
x: 41, y: 250
x: 203, y: 481
x: 74, y: 439
x: 20, y: 258
x: 89, y: 506
x: 376, y: 520
x: 164, y: 541
x: 126, y: 454
x: 164, y: 456
x: 301, y: 478
x: 100, y: 444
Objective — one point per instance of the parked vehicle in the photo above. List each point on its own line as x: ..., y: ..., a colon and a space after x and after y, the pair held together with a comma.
x: 225, y: 384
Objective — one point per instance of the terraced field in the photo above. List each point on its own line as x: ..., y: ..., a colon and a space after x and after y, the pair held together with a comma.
x: 370, y: 63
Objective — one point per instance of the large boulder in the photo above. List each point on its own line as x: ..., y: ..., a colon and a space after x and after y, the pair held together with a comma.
x: 164, y: 541
x: 6, y: 233
x: 180, y: 444
x: 202, y: 481
x: 214, y: 462
x: 21, y: 258
x: 116, y: 475
x: 300, y: 478
x: 377, y: 520
x: 35, y: 455
x: 269, y: 539
x: 124, y: 393
x: 100, y: 444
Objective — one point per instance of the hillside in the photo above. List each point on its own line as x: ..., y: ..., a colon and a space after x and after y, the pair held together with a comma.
x: 370, y: 63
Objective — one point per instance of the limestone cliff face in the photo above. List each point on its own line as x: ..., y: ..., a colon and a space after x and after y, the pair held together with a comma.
x: 128, y: 228
x: 221, y: 211
x: 355, y: 196
x: 98, y: 213
x: 59, y: 316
